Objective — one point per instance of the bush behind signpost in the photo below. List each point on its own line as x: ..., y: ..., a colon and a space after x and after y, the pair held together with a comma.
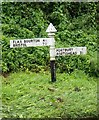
x: 73, y: 29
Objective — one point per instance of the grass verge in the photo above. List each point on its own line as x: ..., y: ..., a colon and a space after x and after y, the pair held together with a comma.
x: 32, y: 95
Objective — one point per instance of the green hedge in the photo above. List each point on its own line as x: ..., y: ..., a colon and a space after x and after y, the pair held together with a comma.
x: 29, y: 20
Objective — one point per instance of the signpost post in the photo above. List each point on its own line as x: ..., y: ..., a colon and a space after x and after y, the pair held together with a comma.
x: 48, y: 42
x: 51, y: 32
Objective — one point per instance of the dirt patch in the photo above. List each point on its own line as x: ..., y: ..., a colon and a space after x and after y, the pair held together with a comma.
x: 5, y: 75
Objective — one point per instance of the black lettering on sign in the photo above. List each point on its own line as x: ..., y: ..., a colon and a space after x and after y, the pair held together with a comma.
x: 63, y: 51
x: 17, y: 41
x: 31, y: 40
x: 70, y: 52
x: 19, y: 45
x: 60, y: 51
x: 66, y: 50
x: 28, y: 41
x: 81, y: 52
x: 75, y: 53
x: 57, y: 52
x: 13, y: 41
x: 13, y: 45
x: 24, y: 45
x: 24, y: 41
x: 44, y: 42
x: 37, y: 40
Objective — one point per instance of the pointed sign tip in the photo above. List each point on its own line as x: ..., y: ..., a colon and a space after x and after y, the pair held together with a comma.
x: 51, y: 28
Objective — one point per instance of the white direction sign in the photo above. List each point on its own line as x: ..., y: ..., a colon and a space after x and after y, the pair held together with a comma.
x: 70, y: 51
x: 31, y: 42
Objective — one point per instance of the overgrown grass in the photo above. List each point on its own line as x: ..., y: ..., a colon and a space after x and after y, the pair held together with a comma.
x: 32, y: 95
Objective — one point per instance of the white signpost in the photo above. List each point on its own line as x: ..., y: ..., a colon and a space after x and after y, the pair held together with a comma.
x: 48, y: 42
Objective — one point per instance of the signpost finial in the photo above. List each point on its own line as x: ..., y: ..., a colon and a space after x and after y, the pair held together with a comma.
x: 51, y: 29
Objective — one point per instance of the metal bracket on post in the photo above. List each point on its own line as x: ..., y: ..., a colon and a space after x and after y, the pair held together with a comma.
x: 51, y: 32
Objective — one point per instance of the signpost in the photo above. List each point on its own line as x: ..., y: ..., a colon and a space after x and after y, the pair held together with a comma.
x: 51, y: 43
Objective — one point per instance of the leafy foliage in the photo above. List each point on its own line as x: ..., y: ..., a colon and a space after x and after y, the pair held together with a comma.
x: 76, y: 26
